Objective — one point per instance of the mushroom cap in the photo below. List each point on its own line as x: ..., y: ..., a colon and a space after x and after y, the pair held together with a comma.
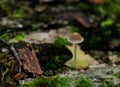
x: 75, y: 38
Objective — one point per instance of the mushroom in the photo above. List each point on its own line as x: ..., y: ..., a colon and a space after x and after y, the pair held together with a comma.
x: 75, y: 38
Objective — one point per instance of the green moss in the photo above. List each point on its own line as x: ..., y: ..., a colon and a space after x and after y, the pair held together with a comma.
x: 6, y: 36
x: 74, y: 29
x: 21, y: 36
x: 84, y: 82
x: 54, y: 81
x: 117, y: 75
x: 60, y: 42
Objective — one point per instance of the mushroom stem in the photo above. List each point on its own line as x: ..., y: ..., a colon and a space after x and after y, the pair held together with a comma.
x: 74, y: 55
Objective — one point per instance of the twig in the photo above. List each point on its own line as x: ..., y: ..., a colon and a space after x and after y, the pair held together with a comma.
x: 4, y: 73
x: 17, y: 57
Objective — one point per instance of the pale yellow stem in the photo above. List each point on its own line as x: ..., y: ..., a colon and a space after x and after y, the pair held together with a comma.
x: 74, y: 55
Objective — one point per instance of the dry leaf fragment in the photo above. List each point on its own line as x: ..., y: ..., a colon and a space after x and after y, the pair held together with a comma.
x: 82, y: 60
x: 19, y: 76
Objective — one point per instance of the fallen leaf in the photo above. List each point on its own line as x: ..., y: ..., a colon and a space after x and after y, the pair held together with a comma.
x: 82, y: 60
x: 19, y: 76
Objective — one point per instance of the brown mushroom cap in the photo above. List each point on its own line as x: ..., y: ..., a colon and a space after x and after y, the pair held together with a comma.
x: 75, y: 38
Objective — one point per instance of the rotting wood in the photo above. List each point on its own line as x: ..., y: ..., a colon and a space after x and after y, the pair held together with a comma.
x: 30, y: 61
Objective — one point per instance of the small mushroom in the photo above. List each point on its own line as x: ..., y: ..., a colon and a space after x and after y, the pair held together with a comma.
x: 75, y: 38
